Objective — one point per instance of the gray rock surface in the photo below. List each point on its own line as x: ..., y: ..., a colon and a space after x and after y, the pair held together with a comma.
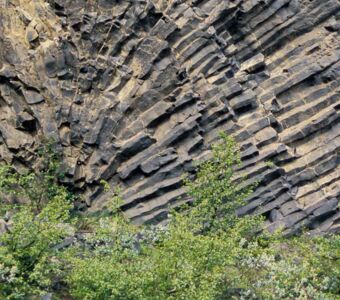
x: 136, y: 91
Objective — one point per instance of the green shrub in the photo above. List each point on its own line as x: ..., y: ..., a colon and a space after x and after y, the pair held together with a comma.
x: 40, y: 220
x: 205, y: 252
x: 190, y: 259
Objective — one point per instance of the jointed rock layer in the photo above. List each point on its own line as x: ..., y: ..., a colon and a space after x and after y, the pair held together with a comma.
x: 134, y: 92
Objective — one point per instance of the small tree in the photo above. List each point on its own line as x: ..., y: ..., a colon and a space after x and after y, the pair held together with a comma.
x: 216, y: 194
x: 39, y: 221
x: 192, y: 258
x: 206, y: 252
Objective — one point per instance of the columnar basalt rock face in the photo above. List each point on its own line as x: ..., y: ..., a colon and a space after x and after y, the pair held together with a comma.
x: 134, y: 92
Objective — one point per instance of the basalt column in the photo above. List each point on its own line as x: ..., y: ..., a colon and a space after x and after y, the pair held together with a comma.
x: 134, y: 92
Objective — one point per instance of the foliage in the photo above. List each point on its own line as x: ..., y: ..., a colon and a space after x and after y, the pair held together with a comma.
x: 291, y: 268
x: 186, y: 260
x: 37, y: 187
x: 38, y: 223
x: 217, y: 195
x: 204, y: 252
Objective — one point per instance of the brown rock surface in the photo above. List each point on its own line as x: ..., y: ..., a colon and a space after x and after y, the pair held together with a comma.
x: 135, y: 91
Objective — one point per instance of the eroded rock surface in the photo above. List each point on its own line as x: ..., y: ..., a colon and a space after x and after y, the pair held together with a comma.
x: 136, y: 91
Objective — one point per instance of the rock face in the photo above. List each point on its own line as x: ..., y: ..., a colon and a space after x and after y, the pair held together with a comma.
x: 135, y: 91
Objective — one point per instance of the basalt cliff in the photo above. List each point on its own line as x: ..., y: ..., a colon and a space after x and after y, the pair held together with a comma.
x: 135, y: 92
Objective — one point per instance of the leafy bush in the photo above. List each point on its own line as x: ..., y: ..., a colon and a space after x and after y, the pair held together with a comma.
x: 205, y: 252
x: 40, y: 220
x: 190, y: 259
